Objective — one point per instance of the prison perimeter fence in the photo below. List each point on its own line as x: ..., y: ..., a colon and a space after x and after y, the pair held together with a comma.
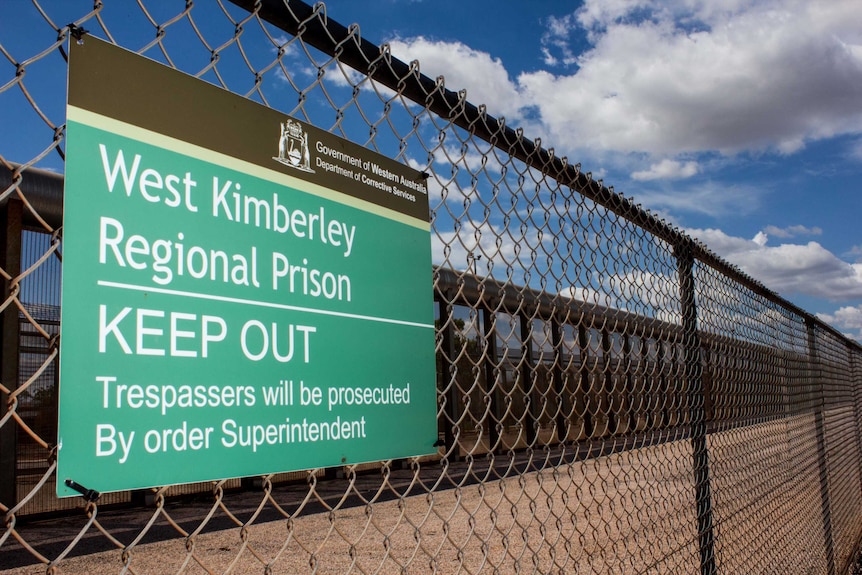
x: 612, y: 396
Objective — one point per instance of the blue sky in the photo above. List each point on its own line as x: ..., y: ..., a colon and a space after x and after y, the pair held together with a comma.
x: 739, y: 121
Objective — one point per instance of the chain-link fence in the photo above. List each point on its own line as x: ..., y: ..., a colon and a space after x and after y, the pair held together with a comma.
x: 612, y: 397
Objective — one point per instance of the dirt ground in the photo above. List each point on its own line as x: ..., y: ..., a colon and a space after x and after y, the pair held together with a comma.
x: 629, y: 512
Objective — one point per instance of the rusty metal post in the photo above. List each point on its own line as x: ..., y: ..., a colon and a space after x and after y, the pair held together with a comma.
x: 492, y: 377
x: 449, y: 387
x: 584, y: 380
x: 527, y: 373
x: 562, y: 420
x: 10, y: 252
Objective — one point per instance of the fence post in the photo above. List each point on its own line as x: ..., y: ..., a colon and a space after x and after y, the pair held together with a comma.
x: 697, y: 411
x: 562, y: 419
x: 448, y: 368
x: 629, y: 402
x: 819, y: 410
x: 664, y: 385
x: 607, y: 387
x: 10, y: 252
x: 857, y: 409
x: 584, y: 380
x: 528, y: 381
x: 492, y: 370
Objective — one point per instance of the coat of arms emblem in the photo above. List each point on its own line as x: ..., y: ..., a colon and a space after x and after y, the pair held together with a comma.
x: 293, y: 147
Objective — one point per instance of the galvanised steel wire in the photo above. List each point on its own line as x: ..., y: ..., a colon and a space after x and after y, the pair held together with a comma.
x: 612, y: 397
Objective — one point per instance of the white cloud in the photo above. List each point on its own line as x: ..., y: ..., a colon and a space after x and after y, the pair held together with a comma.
x: 792, y: 231
x: 642, y: 292
x: 848, y: 318
x: 487, y: 249
x: 675, y: 77
x: 591, y: 296
x: 601, y: 13
x: 471, y: 158
x: 556, y: 38
x: 347, y: 77
x: 667, y: 170
x: 855, y: 252
x: 807, y: 269
x: 697, y: 76
x: 291, y: 58
x: 710, y: 198
x: 485, y: 78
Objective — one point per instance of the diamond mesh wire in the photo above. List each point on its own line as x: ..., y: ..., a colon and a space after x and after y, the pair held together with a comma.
x: 612, y: 398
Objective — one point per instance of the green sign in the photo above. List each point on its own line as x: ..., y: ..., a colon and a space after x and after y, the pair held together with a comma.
x: 242, y: 293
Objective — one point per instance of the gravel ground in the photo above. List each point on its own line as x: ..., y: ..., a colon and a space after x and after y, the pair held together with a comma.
x: 613, y: 513
x: 627, y: 512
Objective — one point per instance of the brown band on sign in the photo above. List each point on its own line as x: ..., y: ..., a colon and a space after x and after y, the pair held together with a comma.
x: 132, y: 89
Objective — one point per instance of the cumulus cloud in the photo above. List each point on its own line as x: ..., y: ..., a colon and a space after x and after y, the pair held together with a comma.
x: 676, y: 76
x: 792, y: 231
x: 709, y: 198
x: 291, y: 58
x: 669, y: 82
x: 642, y: 292
x: 591, y: 296
x: 667, y: 170
x: 488, y: 249
x: 787, y: 268
x: 485, y: 78
x: 556, y: 39
x: 345, y: 77
x: 855, y: 252
x: 848, y: 318
x: 695, y: 77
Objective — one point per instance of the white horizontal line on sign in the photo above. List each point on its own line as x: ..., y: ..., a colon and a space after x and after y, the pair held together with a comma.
x: 266, y: 304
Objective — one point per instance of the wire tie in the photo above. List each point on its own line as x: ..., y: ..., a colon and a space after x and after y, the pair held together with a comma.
x: 77, y: 33
x: 88, y: 494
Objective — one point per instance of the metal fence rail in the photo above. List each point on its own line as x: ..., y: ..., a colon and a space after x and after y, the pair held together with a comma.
x: 612, y: 396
